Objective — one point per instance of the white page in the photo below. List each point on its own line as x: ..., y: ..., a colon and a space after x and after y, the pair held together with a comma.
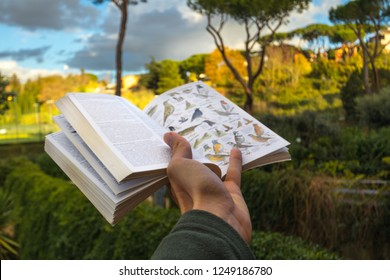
x: 88, y: 154
x: 213, y: 125
x: 123, y: 126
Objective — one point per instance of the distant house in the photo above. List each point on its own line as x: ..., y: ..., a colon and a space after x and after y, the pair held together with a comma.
x: 287, y: 53
x: 385, y: 39
x: 346, y: 50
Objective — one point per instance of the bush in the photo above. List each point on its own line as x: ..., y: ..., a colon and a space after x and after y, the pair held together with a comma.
x: 354, y: 89
x: 56, y: 221
x: 296, y: 202
x: 374, y: 110
x: 276, y: 246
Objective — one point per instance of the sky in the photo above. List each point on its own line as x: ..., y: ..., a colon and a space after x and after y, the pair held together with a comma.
x: 44, y: 37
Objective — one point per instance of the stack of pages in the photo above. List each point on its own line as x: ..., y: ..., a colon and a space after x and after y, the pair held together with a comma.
x: 115, y: 153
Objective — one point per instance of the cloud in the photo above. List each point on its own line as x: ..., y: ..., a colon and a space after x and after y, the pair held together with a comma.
x: 24, y: 54
x: 317, y: 11
x: 161, y: 29
x: 169, y: 31
x: 10, y: 67
x: 51, y: 15
x: 155, y: 33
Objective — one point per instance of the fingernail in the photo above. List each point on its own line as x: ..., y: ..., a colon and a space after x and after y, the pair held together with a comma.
x: 168, y: 138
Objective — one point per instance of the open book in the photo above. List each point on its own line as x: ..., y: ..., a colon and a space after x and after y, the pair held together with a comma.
x: 115, y: 153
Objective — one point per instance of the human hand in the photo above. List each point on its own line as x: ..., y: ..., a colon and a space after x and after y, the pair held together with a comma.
x: 195, y: 187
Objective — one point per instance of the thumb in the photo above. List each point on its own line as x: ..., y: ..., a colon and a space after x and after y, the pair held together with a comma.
x: 179, y: 145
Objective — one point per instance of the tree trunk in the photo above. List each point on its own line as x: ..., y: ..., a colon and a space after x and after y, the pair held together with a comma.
x: 366, y: 75
x: 119, y: 46
x: 375, y: 76
x: 248, y: 107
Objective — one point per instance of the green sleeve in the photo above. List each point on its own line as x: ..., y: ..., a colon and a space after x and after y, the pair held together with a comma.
x: 203, y: 236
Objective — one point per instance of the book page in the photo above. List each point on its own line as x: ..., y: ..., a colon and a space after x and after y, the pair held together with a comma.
x: 213, y: 125
x: 66, y: 155
x: 136, y: 140
x: 89, y: 155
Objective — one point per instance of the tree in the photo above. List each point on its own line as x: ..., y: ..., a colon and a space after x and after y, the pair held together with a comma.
x: 194, y: 65
x: 217, y: 70
x: 365, y: 17
x: 256, y: 17
x: 316, y: 34
x: 122, y: 6
x: 5, y: 94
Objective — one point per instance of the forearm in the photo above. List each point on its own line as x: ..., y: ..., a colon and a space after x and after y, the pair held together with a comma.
x: 202, y: 235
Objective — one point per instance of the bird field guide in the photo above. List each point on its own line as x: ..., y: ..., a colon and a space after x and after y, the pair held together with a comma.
x: 115, y: 153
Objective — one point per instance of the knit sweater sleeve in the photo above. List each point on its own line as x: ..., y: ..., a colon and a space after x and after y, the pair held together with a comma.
x: 203, y: 236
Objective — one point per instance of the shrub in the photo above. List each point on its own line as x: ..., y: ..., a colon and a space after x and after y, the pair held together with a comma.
x: 295, y: 202
x: 56, y: 221
x: 374, y: 110
x: 276, y: 246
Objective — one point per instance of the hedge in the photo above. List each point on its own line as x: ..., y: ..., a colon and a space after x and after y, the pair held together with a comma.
x: 55, y: 221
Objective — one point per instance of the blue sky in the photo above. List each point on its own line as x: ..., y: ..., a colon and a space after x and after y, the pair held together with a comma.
x: 42, y: 37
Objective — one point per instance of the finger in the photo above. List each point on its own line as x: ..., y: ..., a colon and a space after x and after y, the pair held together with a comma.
x: 179, y: 145
x: 235, y: 167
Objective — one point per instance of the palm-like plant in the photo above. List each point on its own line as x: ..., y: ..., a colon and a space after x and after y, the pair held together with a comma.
x: 8, y: 246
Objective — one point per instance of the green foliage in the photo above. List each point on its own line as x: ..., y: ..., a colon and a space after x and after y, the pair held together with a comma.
x: 374, y: 110
x: 8, y: 247
x: 364, y: 17
x: 342, y: 34
x: 150, y: 80
x: 194, y: 64
x: 54, y: 220
x: 169, y: 76
x: 163, y: 75
x: 6, y: 96
x: 354, y: 88
x: 136, y: 236
x: 296, y: 202
x: 265, y: 11
x: 314, y: 32
x: 276, y: 246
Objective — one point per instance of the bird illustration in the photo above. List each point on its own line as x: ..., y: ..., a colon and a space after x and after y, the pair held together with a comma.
x: 202, y: 92
x: 168, y: 110
x: 183, y: 120
x: 219, y: 133
x: 197, y: 114
x: 199, y: 141
x: 178, y: 99
x: 258, y: 130
x: 238, y: 138
x: 217, y: 158
x: 226, y: 106
x: 188, y: 130
x: 227, y: 128
x: 258, y: 138
x: 217, y: 147
x: 210, y: 123
x: 224, y: 113
x: 240, y: 141
x: 189, y: 105
x: 206, y: 147
x: 259, y: 134
x: 151, y: 111
x: 248, y: 121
